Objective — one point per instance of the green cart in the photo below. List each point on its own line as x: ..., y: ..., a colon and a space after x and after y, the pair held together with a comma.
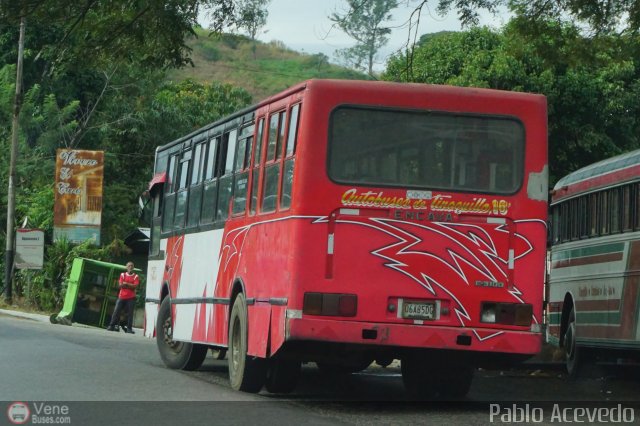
x: 92, y: 291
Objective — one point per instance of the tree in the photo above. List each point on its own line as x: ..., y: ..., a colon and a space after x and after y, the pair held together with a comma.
x: 363, y: 21
x: 601, y: 16
x: 251, y: 15
x: 592, y: 84
x: 94, y: 32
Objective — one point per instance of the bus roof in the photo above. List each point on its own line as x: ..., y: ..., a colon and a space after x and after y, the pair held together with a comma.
x: 400, y: 89
x: 615, y: 170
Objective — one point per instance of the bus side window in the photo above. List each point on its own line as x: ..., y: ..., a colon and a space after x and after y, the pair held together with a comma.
x: 583, y: 217
x: 614, y: 203
x: 627, y: 208
x: 636, y: 210
x: 225, y: 182
x: 195, y: 191
x: 256, y: 168
x: 183, y: 190
x: 593, y: 215
x: 565, y: 219
x: 156, y: 218
x: 241, y: 169
x: 272, y: 167
x: 287, y: 175
x: 210, y: 186
x: 555, y: 225
x: 603, y: 212
x: 170, y: 197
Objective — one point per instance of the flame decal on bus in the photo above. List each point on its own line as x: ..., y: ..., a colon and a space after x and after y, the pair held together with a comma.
x: 464, y: 249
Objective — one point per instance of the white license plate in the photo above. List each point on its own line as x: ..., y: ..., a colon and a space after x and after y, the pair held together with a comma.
x: 420, y: 310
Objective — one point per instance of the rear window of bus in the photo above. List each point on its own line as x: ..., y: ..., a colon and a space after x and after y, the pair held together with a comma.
x: 424, y: 149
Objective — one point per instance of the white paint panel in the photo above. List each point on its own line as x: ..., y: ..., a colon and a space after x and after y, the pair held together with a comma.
x: 151, y: 315
x: 497, y: 220
x: 294, y: 313
x: 200, y: 262
x: 353, y: 212
x: 183, y: 326
x: 330, y: 244
x: 153, y: 286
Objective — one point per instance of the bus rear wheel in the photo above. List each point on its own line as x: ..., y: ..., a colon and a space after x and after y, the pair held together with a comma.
x: 427, y: 378
x: 246, y: 373
x: 343, y: 368
x: 176, y: 355
x: 571, y: 348
x: 283, y: 375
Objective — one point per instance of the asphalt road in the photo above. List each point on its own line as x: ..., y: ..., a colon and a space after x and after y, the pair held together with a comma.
x: 116, y: 378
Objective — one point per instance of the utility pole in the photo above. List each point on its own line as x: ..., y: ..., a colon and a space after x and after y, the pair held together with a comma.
x: 11, y: 193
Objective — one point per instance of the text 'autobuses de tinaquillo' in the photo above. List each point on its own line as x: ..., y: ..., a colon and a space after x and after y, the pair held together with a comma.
x: 346, y: 222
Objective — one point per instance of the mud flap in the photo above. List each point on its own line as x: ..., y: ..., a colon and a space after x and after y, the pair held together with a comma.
x: 258, y: 334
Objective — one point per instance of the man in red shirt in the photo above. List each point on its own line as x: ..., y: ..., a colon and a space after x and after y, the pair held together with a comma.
x: 128, y: 283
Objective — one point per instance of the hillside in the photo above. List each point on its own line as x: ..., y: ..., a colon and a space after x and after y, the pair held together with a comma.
x: 260, y: 68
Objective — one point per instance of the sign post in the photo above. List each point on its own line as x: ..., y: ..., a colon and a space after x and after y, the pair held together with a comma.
x: 29, y: 249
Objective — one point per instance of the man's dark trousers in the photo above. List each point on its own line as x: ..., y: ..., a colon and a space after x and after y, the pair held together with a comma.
x: 127, y: 304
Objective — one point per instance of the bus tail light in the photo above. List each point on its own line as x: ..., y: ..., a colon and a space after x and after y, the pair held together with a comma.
x: 330, y: 304
x: 507, y: 313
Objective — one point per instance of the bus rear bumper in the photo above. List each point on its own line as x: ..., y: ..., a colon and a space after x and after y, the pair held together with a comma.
x: 414, y: 336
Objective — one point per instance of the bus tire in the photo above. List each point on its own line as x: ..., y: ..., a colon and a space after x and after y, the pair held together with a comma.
x: 416, y: 377
x: 571, y: 348
x: 458, y: 383
x: 344, y: 368
x: 282, y: 376
x: 246, y: 373
x: 174, y: 354
x: 219, y: 354
x: 426, y: 378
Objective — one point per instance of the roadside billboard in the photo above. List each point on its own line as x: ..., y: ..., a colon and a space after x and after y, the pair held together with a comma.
x: 78, y: 195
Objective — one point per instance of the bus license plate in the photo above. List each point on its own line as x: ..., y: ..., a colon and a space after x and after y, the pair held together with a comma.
x: 419, y: 310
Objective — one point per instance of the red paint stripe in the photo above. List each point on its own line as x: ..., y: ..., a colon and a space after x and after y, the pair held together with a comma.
x: 331, y: 231
x: 554, y: 307
x: 597, y: 182
x: 630, y: 293
x: 596, y: 331
x: 628, y: 308
x: 588, y: 260
x: 598, y: 305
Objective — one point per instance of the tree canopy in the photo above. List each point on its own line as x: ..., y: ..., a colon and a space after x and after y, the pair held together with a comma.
x: 363, y: 21
x: 251, y: 15
x: 592, y: 84
x: 94, y: 79
x: 601, y: 16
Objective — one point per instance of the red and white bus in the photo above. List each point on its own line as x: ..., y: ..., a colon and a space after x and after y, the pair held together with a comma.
x: 346, y: 222
x: 594, y: 307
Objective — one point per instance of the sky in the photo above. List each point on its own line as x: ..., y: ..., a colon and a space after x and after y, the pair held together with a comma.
x: 304, y: 26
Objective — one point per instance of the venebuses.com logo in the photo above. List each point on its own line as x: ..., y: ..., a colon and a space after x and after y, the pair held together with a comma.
x: 18, y: 413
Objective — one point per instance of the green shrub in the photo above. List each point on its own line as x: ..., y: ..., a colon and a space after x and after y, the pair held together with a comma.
x: 212, y: 54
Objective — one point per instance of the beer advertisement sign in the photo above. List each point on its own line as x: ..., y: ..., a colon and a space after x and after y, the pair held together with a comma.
x: 78, y: 195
